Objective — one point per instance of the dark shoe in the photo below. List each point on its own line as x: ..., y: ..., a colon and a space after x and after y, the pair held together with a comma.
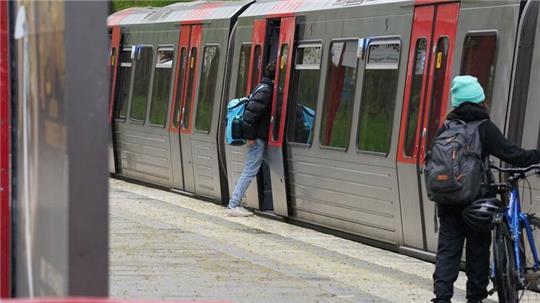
x: 440, y: 301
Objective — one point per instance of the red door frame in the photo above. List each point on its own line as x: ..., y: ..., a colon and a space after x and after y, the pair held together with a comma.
x: 258, y: 39
x: 5, y: 152
x: 445, y: 26
x: 185, y: 33
x: 195, y: 42
x: 286, y: 36
x: 422, y: 28
x: 115, y: 48
x: 431, y: 22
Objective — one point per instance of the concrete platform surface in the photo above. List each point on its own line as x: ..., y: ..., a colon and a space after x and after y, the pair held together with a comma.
x: 167, y: 246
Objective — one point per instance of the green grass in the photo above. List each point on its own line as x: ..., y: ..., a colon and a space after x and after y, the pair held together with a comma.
x: 118, y: 5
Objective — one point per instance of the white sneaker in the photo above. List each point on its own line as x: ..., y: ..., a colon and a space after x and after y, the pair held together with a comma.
x: 238, y: 211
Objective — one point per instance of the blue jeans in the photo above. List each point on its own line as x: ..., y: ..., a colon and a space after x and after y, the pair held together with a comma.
x: 254, y: 158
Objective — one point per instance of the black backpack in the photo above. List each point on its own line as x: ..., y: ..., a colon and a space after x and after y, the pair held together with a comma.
x: 455, y: 172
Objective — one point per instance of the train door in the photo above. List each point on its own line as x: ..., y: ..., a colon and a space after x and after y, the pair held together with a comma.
x: 113, y: 68
x: 177, y: 107
x: 425, y: 105
x: 194, y: 34
x: 276, y: 150
x: 272, y: 40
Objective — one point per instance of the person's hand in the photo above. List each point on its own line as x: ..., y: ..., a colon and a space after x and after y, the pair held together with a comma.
x: 251, y: 142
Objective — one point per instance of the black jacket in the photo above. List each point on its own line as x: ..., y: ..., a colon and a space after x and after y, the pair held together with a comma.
x: 257, y: 114
x: 493, y: 144
x: 493, y: 141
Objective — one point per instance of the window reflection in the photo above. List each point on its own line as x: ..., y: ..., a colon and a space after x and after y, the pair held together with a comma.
x: 304, y: 93
x: 207, y: 88
x: 339, y: 97
x: 479, y: 60
x: 143, y: 69
x: 162, y: 87
x: 123, y: 84
x: 243, y: 69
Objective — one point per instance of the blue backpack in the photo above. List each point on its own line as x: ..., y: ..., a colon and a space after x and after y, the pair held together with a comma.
x: 234, y: 134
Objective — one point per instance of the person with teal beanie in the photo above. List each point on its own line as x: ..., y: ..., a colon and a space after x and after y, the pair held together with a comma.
x: 468, y: 105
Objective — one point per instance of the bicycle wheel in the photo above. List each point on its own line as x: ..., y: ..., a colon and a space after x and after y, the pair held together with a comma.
x: 532, y: 278
x: 505, y: 267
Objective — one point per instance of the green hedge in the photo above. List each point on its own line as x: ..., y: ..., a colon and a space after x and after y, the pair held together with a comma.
x: 118, y: 5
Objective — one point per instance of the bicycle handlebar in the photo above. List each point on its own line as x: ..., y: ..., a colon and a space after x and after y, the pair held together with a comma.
x: 516, y: 170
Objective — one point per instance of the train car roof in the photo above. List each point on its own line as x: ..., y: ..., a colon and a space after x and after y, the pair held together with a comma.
x: 277, y: 7
x: 178, y: 12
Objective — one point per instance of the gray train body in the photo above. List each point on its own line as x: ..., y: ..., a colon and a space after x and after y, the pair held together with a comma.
x: 372, y: 75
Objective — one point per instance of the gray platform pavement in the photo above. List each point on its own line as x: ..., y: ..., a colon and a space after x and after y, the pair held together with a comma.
x: 172, y: 247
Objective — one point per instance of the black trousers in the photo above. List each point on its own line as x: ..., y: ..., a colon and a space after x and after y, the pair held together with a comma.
x: 452, y: 234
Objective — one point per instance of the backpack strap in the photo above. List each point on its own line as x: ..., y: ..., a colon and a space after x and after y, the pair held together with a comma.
x: 257, y: 89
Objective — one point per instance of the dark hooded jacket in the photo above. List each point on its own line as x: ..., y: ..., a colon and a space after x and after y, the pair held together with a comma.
x: 257, y: 114
x: 493, y: 143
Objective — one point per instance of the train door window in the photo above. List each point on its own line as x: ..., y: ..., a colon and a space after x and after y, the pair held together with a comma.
x: 256, y: 69
x: 282, y: 74
x: 161, y: 88
x: 378, y: 96
x: 243, y: 70
x: 141, y: 86
x: 479, y: 60
x: 305, y: 84
x: 189, y: 91
x: 179, y: 86
x: 339, y: 95
x: 123, y: 83
x: 414, y: 99
x: 207, y: 88
x: 441, y: 58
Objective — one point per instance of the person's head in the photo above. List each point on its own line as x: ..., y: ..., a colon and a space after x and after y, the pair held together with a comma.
x: 466, y: 89
x: 270, y: 70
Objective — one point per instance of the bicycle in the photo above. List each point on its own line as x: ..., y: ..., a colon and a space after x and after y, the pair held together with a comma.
x: 515, y: 257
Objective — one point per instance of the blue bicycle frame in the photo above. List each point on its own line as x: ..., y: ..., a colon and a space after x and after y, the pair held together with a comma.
x: 515, y: 219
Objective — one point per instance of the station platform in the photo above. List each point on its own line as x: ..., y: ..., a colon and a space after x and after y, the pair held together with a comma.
x: 166, y: 246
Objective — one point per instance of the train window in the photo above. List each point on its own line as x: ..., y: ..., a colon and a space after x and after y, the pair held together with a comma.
x: 207, y: 88
x: 479, y: 60
x: 256, y: 69
x: 161, y: 88
x: 414, y: 100
x: 434, y: 120
x: 189, y: 91
x: 243, y: 69
x: 304, y: 92
x: 378, y: 97
x: 179, y: 86
x: 123, y: 84
x: 143, y: 69
x: 282, y: 72
x: 339, y: 95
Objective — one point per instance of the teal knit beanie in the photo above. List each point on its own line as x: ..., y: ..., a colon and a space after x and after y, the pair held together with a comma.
x: 466, y: 89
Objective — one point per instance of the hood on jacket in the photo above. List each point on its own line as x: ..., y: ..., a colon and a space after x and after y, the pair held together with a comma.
x: 267, y: 81
x: 468, y: 111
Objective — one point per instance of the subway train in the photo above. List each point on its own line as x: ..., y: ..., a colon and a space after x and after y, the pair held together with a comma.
x: 361, y: 87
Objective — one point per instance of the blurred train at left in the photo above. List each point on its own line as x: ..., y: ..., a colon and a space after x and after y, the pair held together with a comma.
x: 53, y: 157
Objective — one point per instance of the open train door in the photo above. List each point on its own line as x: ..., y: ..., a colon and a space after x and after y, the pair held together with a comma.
x: 276, y: 148
x: 114, y: 162
x: 425, y: 105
